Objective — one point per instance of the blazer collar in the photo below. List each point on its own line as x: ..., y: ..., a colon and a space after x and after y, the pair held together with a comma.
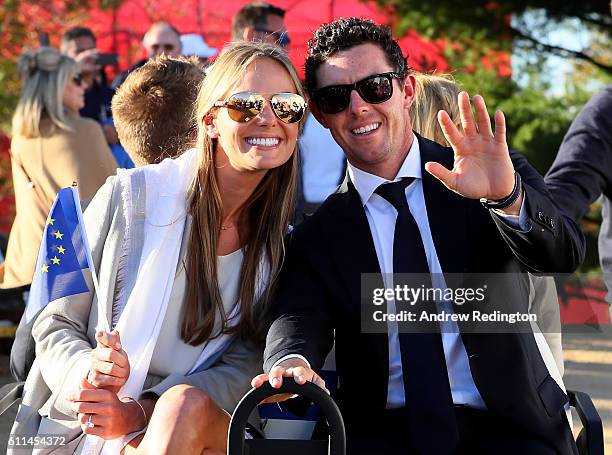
x: 446, y: 210
x: 354, y: 252
x: 366, y: 183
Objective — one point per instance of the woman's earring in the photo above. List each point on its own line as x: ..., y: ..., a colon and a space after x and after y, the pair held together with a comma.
x: 210, y: 128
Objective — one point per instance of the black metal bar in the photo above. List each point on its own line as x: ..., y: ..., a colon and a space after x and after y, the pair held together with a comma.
x: 329, y: 409
x: 591, y: 421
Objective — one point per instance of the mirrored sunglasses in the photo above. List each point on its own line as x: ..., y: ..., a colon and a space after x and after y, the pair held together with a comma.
x: 374, y: 89
x: 245, y: 106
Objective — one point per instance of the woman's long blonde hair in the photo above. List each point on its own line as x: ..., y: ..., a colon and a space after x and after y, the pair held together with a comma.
x: 267, y: 213
x: 434, y: 92
x: 45, y: 73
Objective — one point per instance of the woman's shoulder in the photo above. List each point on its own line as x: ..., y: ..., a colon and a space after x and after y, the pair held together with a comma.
x: 84, y: 122
x: 79, y: 130
x: 87, y: 128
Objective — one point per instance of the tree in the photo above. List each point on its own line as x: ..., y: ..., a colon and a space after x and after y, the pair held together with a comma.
x: 22, y: 23
x: 489, y: 26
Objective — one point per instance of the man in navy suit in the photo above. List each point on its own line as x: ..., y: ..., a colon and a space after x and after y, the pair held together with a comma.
x: 582, y: 171
x: 409, y: 205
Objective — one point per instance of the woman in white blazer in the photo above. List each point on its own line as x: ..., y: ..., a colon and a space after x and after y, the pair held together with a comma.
x: 188, y: 253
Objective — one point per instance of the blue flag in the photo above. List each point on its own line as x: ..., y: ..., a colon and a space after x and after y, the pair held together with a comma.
x: 63, y: 255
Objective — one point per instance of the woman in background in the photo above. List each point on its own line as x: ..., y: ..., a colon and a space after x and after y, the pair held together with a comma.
x: 52, y: 147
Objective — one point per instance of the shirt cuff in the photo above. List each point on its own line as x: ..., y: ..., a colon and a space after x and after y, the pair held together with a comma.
x: 520, y: 221
x: 291, y: 356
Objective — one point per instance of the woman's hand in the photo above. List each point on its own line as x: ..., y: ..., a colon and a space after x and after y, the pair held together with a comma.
x: 110, y: 417
x: 110, y: 366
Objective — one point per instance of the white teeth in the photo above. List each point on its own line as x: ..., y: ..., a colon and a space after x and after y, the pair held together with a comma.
x: 263, y: 141
x: 366, y: 129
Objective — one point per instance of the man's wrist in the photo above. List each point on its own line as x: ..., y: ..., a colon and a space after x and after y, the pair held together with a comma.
x: 508, y: 201
x: 515, y: 208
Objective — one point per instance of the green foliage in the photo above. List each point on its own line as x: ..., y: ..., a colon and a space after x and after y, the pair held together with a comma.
x: 487, y: 26
x: 537, y: 121
x: 9, y: 95
x: 21, y: 21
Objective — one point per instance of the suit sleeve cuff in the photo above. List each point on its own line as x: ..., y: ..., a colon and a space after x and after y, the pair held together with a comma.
x: 291, y: 356
x: 520, y: 222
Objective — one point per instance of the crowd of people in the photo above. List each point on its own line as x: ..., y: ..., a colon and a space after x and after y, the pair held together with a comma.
x: 211, y: 280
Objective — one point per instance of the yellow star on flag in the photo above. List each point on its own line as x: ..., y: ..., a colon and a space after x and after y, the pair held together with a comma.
x: 57, y: 234
x: 44, y: 268
x: 51, y: 221
x: 55, y: 260
x: 61, y: 250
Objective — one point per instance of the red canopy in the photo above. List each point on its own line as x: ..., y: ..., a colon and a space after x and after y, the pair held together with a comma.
x: 121, y: 30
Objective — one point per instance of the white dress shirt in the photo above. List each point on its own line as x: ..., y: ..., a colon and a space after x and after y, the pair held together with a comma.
x: 381, y: 217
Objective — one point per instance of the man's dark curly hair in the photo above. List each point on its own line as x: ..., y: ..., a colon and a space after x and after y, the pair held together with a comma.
x: 345, y: 33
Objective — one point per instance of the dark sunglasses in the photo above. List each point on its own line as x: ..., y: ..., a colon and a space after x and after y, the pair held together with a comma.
x: 245, y: 106
x: 282, y: 38
x: 374, y: 89
x: 165, y: 47
x: 78, y: 79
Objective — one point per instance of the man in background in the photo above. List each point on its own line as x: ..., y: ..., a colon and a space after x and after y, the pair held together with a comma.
x: 582, y: 172
x: 80, y: 44
x: 153, y: 108
x: 260, y: 21
x: 161, y: 38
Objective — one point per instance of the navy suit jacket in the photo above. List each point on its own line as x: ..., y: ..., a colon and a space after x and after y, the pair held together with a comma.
x: 320, y: 290
x: 582, y: 171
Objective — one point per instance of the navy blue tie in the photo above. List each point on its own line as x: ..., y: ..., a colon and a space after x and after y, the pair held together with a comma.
x: 428, y: 397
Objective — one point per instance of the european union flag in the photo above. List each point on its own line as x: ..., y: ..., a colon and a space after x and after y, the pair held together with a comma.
x: 63, y: 255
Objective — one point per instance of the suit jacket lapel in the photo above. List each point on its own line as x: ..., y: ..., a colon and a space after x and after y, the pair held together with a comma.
x: 354, y: 252
x: 446, y: 211
x: 354, y: 235
x: 447, y: 215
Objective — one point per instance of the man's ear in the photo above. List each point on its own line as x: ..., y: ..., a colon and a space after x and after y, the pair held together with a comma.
x: 211, y: 126
x: 409, y: 90
x: 248, y: 34
x: 317, y: 113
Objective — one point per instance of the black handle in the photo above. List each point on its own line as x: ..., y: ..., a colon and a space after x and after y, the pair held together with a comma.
x: 591, y: 421
x: 328, y: 406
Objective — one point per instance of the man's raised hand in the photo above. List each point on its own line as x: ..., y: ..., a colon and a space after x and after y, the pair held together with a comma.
x: 482, y: 166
